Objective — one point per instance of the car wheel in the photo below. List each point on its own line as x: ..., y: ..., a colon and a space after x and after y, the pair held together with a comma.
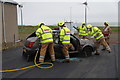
x: 87, y: 51
x: 87, y: 54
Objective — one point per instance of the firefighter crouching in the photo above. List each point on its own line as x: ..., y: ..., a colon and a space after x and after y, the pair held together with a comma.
x: 82, y: 31
x: 45, y: 33
x: 65, y: 40
x: 96, y: 33
x: 106, y: 32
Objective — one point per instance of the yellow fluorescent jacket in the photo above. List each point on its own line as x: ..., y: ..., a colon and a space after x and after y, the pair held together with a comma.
x: 65, y: 35
x: 82, y: 30
x: 45, y: 33
x: 96, y: 32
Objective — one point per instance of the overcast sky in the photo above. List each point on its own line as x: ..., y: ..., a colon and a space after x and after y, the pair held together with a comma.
x: 52, y: 11
x: 66, y: 0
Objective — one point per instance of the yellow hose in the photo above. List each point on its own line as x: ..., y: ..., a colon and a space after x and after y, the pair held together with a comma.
x: 42, y: 63
x: 38, y: 65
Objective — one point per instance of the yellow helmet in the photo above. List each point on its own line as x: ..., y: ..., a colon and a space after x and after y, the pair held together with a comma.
x: 83, y: 23
x: 41, y: 23
x: 61, y: 23
x: 89, y: 26
x: 106, y: 23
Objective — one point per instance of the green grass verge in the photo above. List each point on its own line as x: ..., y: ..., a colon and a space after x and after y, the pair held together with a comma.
x: 24, y: 31
x: 114, y: 29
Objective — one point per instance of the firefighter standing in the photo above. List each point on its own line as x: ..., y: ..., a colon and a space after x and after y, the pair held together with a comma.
x: 82, y: 30
x: 106, y: 32
x: 65, y: 40
x: 96, y: 33
x: 45, y: 34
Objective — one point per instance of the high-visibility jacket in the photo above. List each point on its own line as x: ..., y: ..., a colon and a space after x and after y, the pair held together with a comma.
x: 82, y: 30
x: 45, y: 33
x: 96, y: 32
x: 65, y: 35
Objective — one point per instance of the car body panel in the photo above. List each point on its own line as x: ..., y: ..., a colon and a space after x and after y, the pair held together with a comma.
x: 74, y: 40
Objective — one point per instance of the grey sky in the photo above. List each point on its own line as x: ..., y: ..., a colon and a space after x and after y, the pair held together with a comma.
x: 52, y: 12
x: 66, y: 0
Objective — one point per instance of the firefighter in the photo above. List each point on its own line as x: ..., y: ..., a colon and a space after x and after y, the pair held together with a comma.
x: 65, y: 40
x: 82, y: 30
x: 106, y: 32
x: 45, y: 34
x: 96, y: 33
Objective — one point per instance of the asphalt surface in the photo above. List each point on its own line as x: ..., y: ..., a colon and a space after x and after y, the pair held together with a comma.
x: 102, y: 66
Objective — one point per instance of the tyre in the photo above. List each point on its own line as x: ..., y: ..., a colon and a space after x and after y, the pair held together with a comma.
x: 87, y: 51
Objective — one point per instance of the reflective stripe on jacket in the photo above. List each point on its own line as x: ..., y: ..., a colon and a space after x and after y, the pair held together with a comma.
x: 82, y: 30
x: 65, y: 35
x: 45, y: 33
x: 96, y: 32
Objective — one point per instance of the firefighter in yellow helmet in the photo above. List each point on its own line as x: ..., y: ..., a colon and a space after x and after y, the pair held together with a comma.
x: 45, y: 34
x: 65, y: 40
x: 96, y: 33
x: 82, y: 31
x: 106, y: 32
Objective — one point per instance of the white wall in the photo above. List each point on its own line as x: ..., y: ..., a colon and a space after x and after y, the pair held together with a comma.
x: 0, y: 26
x: 0, y: 40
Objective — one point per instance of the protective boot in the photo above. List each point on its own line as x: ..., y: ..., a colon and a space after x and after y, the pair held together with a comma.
x: 66, y: 61
x: 97, y: 53
x: 108, y: 49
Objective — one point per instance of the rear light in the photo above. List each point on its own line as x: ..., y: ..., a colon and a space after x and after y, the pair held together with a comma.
x: 30, y: 44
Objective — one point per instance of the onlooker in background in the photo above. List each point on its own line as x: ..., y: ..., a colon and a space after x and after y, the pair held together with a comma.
x: 106, y: 32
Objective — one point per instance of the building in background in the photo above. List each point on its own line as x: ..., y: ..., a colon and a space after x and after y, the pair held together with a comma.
x: 8, y: 23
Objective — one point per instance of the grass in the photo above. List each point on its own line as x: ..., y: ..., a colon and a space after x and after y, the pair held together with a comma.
x: 24, y: 31
x: 114, y: 29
